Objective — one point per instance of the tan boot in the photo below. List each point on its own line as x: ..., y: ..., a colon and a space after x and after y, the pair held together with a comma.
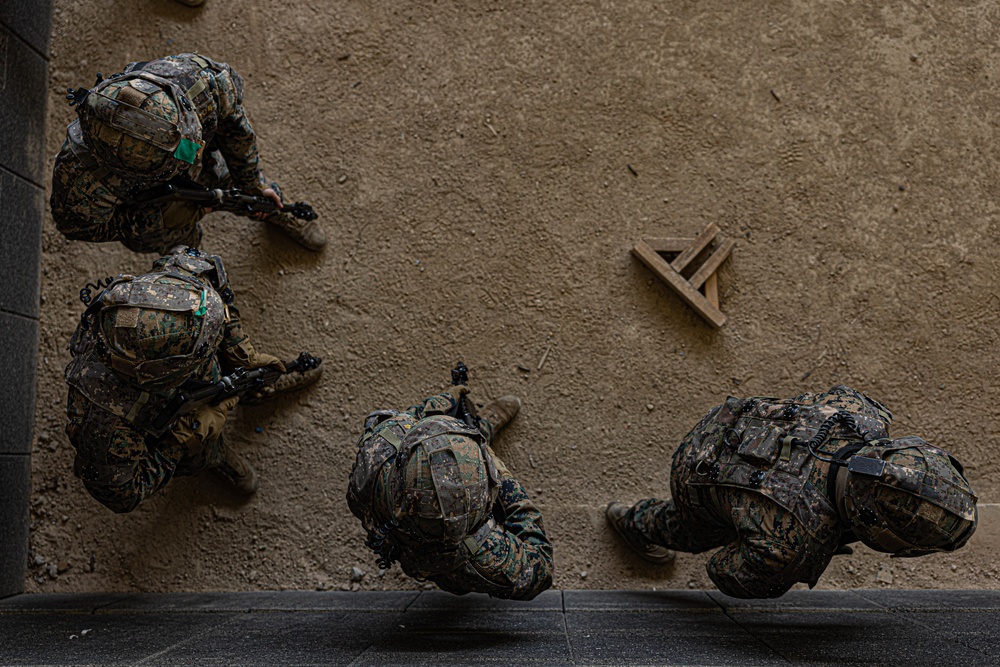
x: 617, y: 515
x: 238, y: 472
x: 285, y: 384
x: 501, y: 411
x: 307, y: 233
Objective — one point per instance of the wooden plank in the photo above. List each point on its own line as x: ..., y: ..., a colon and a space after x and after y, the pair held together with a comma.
x: 668, y: 244
x: 712, y: 263
x: 712, y: 289
x: 676, y: 281
x: 700, y: 243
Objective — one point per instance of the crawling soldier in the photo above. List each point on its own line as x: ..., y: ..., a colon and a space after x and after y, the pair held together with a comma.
x: 432, y: 494
x: 784, y: 485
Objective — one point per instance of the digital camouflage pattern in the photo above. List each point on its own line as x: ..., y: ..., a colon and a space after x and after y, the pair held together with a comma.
x: 90, y: 201
x: 736, y: 485
x: 509, y: 555
x: 141, y: 125
x: 119, y: 463
x: 922, y: 503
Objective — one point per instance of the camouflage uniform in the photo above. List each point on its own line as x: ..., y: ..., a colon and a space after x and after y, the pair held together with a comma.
x: 91, y: 202
x: 507, y: 556
x: 736, y: 485
x: 111, y: 408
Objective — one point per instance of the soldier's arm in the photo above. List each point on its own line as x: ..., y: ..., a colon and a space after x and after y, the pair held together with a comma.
x: 235, y: 136
x: 439, y: 404
x: 236, y: 350
x: 515, y: 560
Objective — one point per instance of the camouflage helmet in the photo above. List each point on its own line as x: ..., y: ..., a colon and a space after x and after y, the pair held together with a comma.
x: 141, y: 125
x: 909, y: 498
x: 159, y: 329
x: 424, y: 488
x: 447, y: 483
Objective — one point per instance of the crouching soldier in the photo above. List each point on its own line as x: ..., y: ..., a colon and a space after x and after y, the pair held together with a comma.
x: 177, y: 120
x: 432, y: 494
x: 784, y: 485
x: 144, y: 344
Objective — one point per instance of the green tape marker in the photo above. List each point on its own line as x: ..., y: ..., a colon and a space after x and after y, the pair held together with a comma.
x: 187, y: 151
x: 202, y: 307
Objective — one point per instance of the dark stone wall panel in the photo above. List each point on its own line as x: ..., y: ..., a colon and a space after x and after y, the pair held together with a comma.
x: 18, y: 357
x: 31, y: 20
x: 23, y: 206
x: 23, y: 95
x: 15, y: 492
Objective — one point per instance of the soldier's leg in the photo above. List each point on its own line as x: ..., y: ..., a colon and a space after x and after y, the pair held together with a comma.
x: 675, y: 526
x: 160, y: 228
x: 121, y: 485
x: 198, y: 439
x: 497, y: 414
x: 307, y: 233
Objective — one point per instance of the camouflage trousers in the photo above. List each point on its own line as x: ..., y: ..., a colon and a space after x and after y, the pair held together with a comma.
x: 122, y: 485
x: 665, y: 523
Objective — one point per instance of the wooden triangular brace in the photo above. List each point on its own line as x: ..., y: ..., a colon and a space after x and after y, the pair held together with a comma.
x: 706, y: 302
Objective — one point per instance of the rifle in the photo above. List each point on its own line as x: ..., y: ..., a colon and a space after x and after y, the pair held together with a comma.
x: 194, y: 393
x: 460, y: 375
x: 232, y: 200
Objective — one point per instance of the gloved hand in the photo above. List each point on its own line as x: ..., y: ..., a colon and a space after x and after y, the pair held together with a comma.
x: 271, y: 190
x: 261, y: 359
x: 498, y: 462
x: 246, y: 355
x: 203, y: 427
x: 456, y: 391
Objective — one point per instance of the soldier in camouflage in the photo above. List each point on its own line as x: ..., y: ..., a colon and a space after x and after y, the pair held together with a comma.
x: 139, y: 341
x: 784, y: 485
x: 432, y: 494
x: 174, y: 117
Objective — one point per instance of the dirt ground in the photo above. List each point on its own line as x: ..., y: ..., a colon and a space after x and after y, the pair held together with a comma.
x: 483, y: 170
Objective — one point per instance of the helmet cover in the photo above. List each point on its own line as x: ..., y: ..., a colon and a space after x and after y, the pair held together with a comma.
x: 141, y: 125
x: 160, y: 329
x: 920, y: 503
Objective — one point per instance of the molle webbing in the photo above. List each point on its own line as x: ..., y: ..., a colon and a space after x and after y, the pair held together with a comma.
x: 111, y: 398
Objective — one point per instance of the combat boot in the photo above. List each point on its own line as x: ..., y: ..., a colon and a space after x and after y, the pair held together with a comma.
x: 617, y: 515
x: 285, y: 384
x: 192, y: 3
x: 501, y: 411
x: 307, y: 233
x: 238, y: 472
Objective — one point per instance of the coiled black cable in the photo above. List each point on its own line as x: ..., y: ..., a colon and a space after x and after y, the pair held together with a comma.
x: 377, y: 541
x: 823, y: 432
x: 86, y: 293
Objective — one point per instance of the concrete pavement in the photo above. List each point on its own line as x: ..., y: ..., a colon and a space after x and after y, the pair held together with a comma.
x: 882, y: 627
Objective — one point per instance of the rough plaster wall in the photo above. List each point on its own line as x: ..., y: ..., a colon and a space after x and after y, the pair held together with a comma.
x: 488, y: 213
